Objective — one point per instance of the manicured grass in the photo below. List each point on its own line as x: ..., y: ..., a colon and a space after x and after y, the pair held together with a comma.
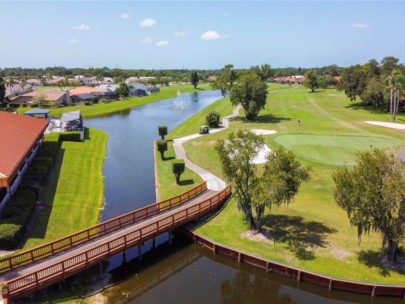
x: 193, y: 124
x: 167, y: 185
x: 313, y: 232
x: 72, y: 197
x: 116, y: 106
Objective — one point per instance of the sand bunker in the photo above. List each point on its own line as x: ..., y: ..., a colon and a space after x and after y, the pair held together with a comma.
x: 391, y: 125
x: 263, y: 131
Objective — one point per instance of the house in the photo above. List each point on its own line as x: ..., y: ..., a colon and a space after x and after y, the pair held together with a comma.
x: 212, y: 78
x: 153, y: 89
x: 82, y: 94
x: 87, y: 80
x: 138, y: 89
x: 54, y: 95
x: 21, y: 137
x: 34, y: 82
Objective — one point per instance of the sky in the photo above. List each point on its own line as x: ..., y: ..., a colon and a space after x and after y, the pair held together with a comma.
x: 199, y: 34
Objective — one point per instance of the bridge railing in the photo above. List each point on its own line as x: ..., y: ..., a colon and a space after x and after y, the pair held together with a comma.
x: 54, y: 273
x: 99, y: 230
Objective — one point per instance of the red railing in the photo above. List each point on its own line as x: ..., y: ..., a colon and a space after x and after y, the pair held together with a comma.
x: 99, y: 230
x: 49, y: 275
x: 297, y: 273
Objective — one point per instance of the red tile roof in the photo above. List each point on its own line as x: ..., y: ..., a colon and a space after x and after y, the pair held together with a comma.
x: 86, y: 90
x: 19, y: 134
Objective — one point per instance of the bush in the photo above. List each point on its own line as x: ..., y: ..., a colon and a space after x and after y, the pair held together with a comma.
x: 212, y: 119
x: 88, y: 103
x: 178, y: 167
x: 162, y: 131
x: 70, y: 136
x: 34, y: 105
x: 15, y: 217
x: 161, y: 147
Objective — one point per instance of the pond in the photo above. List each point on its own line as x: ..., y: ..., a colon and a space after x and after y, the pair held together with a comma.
x: 182, y: 272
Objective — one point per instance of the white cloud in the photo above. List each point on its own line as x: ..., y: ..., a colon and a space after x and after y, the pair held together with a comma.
x: 162, y: 43
x: 81, y: 27
x: 73, y: 40
x: 126, y: 16
x: 181, y: 34
x: 148, y: 22
x: 212, y: 35
x: 361, y: 25
x: 146, y: 40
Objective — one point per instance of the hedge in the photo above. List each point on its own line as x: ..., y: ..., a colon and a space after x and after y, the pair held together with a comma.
x: 15, y: 217
x: 70, y: 136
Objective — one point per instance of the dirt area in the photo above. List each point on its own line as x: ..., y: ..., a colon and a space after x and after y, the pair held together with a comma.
x: 261, y: 237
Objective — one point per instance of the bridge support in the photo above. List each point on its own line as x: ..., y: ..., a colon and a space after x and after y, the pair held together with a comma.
x: 140, y: 252
x: 170, y: 237
x: 154, y: 243
x: 124, y: 257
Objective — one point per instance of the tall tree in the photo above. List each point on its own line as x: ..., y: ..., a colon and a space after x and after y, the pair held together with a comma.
x: 194, y: 79
x: 311, y: 80
x: 354, y: 81
x: 9, y: 82
x: 279, y: 182
x: 374, y: 94
x: 389, y: 64
x: 225, y: 80
x: 251, y: 92
x: 264, y: 71
x: 373, y: 195
x: 2, y: 90
x: 122, y: 90
x: 396, y: 83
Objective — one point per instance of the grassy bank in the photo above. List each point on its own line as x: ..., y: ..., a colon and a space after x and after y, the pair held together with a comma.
x: 313, y: 232
x: 166, y: 180
x: 72, y: 196
x: 119, y: 105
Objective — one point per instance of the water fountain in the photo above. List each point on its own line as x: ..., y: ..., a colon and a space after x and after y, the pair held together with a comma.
x: 179, y: 104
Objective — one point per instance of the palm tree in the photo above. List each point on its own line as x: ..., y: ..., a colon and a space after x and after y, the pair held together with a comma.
x: 9, y: 82
x: 396, y: 84
x: 23, y: 83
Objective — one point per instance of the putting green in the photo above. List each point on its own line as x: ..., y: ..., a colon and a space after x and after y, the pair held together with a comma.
x: 331, y: 149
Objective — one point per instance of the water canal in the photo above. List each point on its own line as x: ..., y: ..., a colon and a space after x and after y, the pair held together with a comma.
x: 183, y: 272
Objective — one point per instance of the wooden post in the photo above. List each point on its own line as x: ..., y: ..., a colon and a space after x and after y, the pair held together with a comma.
x: 239, y: 257
x: 170, y: 238
x: 214, y: 248
x: 373, y: 292
x: 124, y: 257
x: 299, y: 276
x: 140, y: 252
x: 330, y: 284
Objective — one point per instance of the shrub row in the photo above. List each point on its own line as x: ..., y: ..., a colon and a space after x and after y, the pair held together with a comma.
x: 70, y: 136
x: 15, y: 216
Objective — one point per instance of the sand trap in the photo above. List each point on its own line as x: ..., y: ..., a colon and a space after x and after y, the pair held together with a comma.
x: 391, y: 125
x: 262, y: 155
x: 263, y: 131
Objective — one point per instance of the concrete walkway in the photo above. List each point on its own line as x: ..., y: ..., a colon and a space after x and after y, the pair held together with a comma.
x: 213, y: 181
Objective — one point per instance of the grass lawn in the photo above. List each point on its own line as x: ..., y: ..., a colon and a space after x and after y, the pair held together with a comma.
x: 167, y: 185
x: 129, y: 102
x: 72, y: 196
x: 313, y: 232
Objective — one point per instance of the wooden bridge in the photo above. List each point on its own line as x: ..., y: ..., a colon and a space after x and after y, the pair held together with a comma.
x: 37, y: 268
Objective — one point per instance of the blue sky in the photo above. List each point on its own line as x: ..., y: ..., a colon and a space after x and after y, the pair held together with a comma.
x: 199, y: 34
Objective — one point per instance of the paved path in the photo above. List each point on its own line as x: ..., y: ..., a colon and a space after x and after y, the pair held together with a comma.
x: 213, y: 181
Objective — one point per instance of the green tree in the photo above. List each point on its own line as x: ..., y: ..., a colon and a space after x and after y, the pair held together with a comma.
x: 374, y: 94
x: 178, y: 167
x: 311, y: 80
x: 354, y: 81
x: 323, y: 82
x: 389, y: 64
x: 161, y: 146
x: 213, y: 119
x: 396, y: 83
x: 279, y: 182
x: 162, y: 130
x: 373, y: 195
x: 9, y: 82
x: 225, y: 80
x: 122, y: 90
x: 2, y: 90
x: 251, y: 92
x: 194, y: 79
x: 264, y: 71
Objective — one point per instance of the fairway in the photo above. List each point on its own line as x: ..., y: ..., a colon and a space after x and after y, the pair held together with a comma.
x: 335, y: 150
x: 313, y: 232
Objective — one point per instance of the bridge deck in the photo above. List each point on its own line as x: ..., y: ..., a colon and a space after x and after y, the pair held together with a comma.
x: 45, y: 272
x: 97, y: 242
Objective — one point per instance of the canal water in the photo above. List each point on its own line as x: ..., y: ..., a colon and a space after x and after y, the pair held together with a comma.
x: 182, y: 272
